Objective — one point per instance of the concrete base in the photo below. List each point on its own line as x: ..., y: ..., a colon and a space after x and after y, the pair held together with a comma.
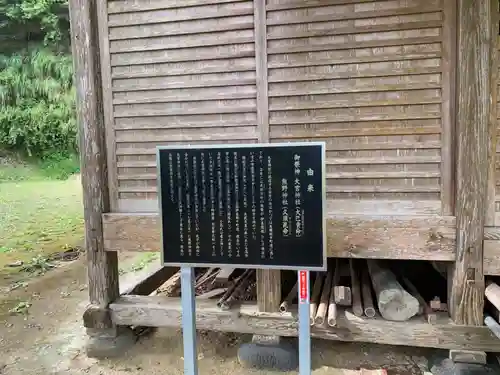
x: 269, y: 353
x: 108, y: 343
x: 448, y: 367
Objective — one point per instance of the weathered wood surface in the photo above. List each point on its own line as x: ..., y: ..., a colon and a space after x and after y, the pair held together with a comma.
x: 477, y: 36
x: 492, y: 294
x: 243, y: 71
x: 357, y: 302
x: 394, y: 302
x: 391, y: 237
x: 150, y: 281
x: 290, y: 297
x: 102, y: 265
x: 429, y: 314
x: 269, y: 290
x: 246, y: 318
x: 366, y: 291
x: 315, y: 296
x: 322, y: 310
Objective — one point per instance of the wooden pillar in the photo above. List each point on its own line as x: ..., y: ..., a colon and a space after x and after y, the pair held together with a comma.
x: 102, y: 266
x: 476, y: 41
x: 268, y: 281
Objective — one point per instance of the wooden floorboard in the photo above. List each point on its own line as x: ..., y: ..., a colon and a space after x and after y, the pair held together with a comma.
x: 158, y: 311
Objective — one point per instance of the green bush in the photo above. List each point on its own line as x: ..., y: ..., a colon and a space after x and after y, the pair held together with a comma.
x: 37, y: 100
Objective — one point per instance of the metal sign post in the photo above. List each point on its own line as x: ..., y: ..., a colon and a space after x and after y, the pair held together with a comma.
x: 304, y: 325
x: 189, y: 321
x: 259, y: 206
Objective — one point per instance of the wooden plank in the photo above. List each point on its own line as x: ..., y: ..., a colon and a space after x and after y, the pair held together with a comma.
x: 492, y: 256
x: 151, y: 281
x: 337, y: 207
x: 353, y: 100
x: 297, y: 4
x: 185, y: 108
x: 268, y: 281
x: 329, y: 161
x: 416, y: 111
x: 369, y: 84
x: 361, y: 70
x: 331, y: 13
x: 103, y: 266
x: 261, y: 70
x: 187, y: 121
x: 181, y: 28
x: 185, y: 95
x: 159, y: 136
x: 201, y: 12
x: 393, y: 237
x: 149, y: 148
x: 183, y: 68
x: 334, y: 175
x: 356, y: 56
x: 183, y: 55
x: 304, y: 47
x: 344, y: 189
x: 492, y: 172
x: 448, y: 106
x: 382, y: 129
x: 124, y: 6
x: 384, y: 160
x: 166, y: 312
x: 328, y: 28
x: 173, y: 42
x: 477, y: 36
x: 187, y: 81
x: 105, y: 63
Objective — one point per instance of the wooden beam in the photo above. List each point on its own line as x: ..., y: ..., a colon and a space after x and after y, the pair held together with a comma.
x: 102, y: 265
x: 150, y: 281
x: 491, y: 257
x: 268, y: 281
x: 491, y: 185
x: 448, y: 108
x: 357, y: 236
x: 158, y: 311
x: 269, y: 290
x: 477, y: 36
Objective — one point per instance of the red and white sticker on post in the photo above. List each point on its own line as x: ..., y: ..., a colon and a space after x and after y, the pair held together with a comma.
x: 303, y: 292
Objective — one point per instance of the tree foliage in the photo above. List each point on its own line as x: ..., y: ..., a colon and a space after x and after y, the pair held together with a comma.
x: 37, y: 108
x: 28, y: 21
x: 37, y: 99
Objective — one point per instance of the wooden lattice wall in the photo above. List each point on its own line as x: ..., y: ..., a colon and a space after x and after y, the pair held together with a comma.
x: 370, y: 78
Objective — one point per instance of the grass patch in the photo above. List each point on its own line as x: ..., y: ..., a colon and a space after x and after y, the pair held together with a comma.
x: 38, y: 219
x: 139, y: 262
x: 51, y: 167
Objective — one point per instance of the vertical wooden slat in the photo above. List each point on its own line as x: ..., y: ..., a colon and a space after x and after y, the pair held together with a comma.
x: 476, y: 40
x: 102, y: 265
x: 268, y: 281
x: 107, y: 101
x: 261, y: 69
x: 448, y: 107
x: 490, y: 203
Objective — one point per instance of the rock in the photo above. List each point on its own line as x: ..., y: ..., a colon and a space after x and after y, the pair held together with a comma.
x: 17, y: 263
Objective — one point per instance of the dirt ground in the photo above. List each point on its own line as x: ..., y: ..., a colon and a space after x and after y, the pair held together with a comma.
x: 50, y: 339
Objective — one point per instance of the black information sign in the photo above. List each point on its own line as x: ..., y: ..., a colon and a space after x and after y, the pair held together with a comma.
x: 255, y: 206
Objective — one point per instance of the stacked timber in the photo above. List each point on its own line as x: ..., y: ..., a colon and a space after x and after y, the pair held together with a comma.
x: 492, y: 294
x: 226, y: 284
x: 366, y: 288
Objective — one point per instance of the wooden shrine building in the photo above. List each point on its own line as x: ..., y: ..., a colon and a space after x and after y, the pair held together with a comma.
x: 403, y: 93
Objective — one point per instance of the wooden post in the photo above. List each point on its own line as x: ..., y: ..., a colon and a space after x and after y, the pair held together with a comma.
x: 476, y: 41
x: 268, y: 281
x: 102, y: 266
